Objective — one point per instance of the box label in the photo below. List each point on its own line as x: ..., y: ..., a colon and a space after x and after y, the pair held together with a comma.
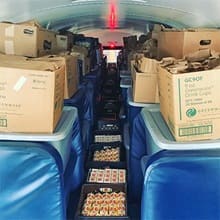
x: 197, y: 98
x: 197, y: 130
x: 3, y: 122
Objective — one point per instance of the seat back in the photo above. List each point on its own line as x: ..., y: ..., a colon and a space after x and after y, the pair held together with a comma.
x: 31, y: 181
x: 182, y: 185
x: 74, y: 175
x: 138, y: 148
x: 82, y: 102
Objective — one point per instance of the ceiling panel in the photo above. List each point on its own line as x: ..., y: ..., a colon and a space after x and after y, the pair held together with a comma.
x: 64, y: 13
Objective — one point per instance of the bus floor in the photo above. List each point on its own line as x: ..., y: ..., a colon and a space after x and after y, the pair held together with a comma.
x: 133, y: 208
x: 110, y: 83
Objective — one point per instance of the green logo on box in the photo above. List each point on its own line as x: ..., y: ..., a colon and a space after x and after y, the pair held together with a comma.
x: 191, y: 112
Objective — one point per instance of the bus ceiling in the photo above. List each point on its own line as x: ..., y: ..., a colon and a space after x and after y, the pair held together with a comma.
x: 112, y: 17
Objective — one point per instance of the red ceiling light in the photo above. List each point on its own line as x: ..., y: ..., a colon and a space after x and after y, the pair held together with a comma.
x: 112, y: 45
x: 112, y: 16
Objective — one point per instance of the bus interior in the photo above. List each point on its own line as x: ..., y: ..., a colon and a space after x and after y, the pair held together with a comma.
x: 109, y: 109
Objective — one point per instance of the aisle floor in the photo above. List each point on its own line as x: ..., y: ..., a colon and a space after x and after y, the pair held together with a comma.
x: 105, y: 108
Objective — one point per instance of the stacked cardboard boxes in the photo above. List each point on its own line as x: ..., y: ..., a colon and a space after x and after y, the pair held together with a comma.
x: 178, y: 43
x: 62, y: 42
x: 70, y: 75
x: 188, y: 90
x: 83, y: 51
x: 33, y: 84
x: 141, y: 54
x: 31, y: 95
x: 189, y: 97
x: 145, y: 88
x: 37, y: 40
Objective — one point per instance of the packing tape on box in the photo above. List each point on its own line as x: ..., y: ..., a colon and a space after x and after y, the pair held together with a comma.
x: 10, y: 31
x: 9, y: 47
x: 9, y: 43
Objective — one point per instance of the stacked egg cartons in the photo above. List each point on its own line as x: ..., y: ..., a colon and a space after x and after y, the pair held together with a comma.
x: 104, y: 196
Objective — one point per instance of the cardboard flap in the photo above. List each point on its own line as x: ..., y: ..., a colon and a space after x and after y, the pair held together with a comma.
x: 44, y: 65
x: 30, y: 23
x: 80, y: 49
x: 201, y: 29
x: 146, y: 65
x: 198, y: 55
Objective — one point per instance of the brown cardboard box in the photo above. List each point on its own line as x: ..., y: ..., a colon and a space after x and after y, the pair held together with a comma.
x: 26, y: 39
x: 12, y: 57
x: 134, y: 55
x: 70, y: 39
x: 132, y: 68
x: 71, y: 71
x: 62, y: 42
x: 144, y: 64
x: 31, y: 95
x: 84, y: 57
x: 145, y: 88
x: 190, y: 104
x: 179, y: 43
x: 81, y: 57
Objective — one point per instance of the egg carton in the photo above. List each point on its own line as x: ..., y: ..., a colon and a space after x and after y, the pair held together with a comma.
x: 107, y: 138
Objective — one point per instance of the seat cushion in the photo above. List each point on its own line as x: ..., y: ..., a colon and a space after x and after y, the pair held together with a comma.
x: 182, y: 185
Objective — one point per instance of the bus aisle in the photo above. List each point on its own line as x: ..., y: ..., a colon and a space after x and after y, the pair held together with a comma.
x: 104, y: 192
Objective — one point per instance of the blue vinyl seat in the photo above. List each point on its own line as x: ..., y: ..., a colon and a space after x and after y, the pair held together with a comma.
x: 137, y: 150
x: 182, y: 185
x: 32, y: 181
x: 75, y: 175
x: 82, y: 102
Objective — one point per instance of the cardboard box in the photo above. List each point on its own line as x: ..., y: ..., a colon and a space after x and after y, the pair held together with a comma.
x: 190, y: 104
x: 179, y: 43
x: 62, y: 42
x: 132, y: 64
x: 145, y: 88
x: 31, y: 95
x: 84, y: 57
x: 70, y: 39
x: 71, y: 72
x: 26, y: 39
x: 134, y: 55
x: 12, y: 57
x: 144, y: 64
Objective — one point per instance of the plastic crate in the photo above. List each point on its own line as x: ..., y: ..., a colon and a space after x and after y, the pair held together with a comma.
x: 93, y: 188
x: 103, y: 164
x: 107, y: 137
x: 108, y: 116
x: 106, y: 175
x: 108, y: 125
x: 111, y: 97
